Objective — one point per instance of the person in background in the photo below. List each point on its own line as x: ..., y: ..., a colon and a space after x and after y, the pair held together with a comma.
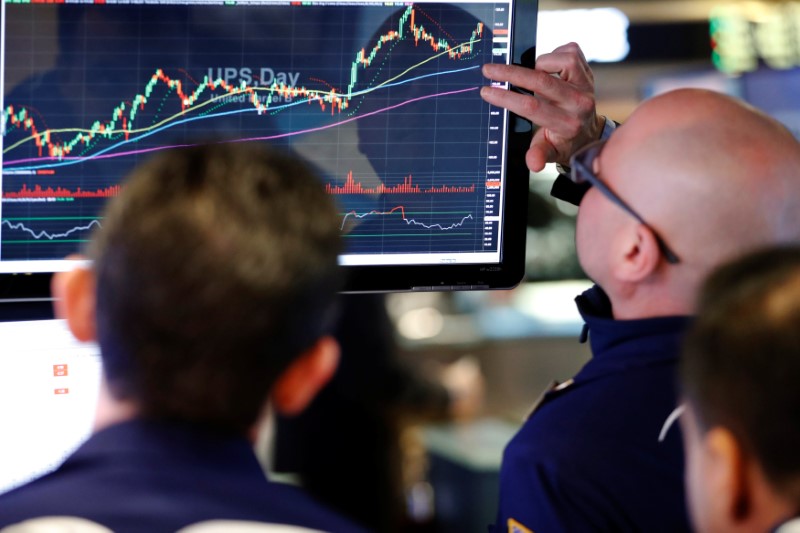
x: 361, y: 417
x: 357, y: 419
x: 211, y: 292
x: 691, y: 180
x: 739, y: 372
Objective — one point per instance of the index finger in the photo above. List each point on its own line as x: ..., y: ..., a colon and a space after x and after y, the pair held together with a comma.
x: 569, y: 65
x: 523, y: 77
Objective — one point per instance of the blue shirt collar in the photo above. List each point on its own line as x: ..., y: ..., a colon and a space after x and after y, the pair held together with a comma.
x: 625, y: 343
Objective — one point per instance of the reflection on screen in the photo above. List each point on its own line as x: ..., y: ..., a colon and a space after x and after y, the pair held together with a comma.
x: 382, y: 98
x: 48, y: 390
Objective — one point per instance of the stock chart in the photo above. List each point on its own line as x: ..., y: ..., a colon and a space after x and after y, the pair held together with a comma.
x: 381, y: 98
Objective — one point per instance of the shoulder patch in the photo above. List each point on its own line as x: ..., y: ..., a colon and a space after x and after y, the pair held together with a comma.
x: 553, y: 387
x: 52, y: 524
x: 516, y: 527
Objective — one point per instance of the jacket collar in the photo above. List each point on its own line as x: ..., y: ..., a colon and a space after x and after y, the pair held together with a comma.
x: 624, y: 343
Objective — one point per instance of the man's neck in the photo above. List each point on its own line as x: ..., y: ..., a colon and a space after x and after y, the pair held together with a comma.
x: 110, y: 410
x: 650, y: 302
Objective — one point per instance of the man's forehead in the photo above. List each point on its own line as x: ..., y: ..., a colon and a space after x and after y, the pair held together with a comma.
x: 631, y: 149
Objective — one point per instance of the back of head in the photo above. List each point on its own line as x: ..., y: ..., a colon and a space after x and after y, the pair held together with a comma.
x: 714, y: 176
x: 216, y: 266
x: 741, y: 364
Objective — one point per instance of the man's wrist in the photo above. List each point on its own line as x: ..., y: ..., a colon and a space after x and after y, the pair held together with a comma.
x: 608, y: 127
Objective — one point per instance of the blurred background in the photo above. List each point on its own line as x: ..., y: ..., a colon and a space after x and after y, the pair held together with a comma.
x: 507, y: 347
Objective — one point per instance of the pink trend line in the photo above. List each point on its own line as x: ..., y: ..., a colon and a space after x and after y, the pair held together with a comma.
x: 312, y: 130
x: 267, y: 138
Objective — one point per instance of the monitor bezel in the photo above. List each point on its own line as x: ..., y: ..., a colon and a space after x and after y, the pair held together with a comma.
x: 505, y: 274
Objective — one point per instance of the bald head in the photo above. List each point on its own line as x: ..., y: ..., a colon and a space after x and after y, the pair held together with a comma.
x: 714, y: 177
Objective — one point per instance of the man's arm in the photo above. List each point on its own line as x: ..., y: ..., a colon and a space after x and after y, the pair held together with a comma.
x: 552, y: 495
x: 562, y: 103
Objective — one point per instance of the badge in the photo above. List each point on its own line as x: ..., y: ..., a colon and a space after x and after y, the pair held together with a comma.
x: 516, y: 527
x: 554, y: 386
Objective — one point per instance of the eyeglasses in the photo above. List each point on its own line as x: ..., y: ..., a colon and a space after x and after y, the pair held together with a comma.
x: 581, y: 165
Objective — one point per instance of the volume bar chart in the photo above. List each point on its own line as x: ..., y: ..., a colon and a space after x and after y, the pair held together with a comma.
x: 351, y: 186
x: 59, y: 192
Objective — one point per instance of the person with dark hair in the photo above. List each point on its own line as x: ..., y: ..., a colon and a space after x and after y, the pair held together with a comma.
x: 211, y: 293
x: 739, y: 373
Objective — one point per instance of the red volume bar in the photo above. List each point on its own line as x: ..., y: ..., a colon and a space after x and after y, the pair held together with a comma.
x: 407, y: 187
x: 60, y: 192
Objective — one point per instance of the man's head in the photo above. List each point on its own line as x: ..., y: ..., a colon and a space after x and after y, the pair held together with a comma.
x: 214, y: 276
x: 711, y: 176
x: 740, y: 377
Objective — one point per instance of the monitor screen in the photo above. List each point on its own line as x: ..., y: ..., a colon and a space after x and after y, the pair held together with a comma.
x: 48, y: 389
x: 382, y: 98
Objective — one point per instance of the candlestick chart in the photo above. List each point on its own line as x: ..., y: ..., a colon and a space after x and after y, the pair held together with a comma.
x: 402, y: 79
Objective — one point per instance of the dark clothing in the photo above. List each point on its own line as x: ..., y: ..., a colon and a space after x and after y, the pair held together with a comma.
x: 150, y: 477
x: 589, y: 457
x: 354, y: 419
x: 565, y: 189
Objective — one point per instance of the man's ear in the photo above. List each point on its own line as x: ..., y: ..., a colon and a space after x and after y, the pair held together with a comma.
x: 730, y: 481
x: 639, y: 254
x: 74, y: 301
x: 305, y: 377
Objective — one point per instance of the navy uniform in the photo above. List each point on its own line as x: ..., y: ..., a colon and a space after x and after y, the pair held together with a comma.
x: 145, y: 476
x: 598, y: 453
x: 593, y: 456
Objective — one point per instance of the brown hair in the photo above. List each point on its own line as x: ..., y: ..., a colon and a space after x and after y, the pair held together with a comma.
x: 216, y: 266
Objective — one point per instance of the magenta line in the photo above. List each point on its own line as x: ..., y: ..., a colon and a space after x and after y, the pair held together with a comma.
x: 268, y: 138
x: 312, y: 130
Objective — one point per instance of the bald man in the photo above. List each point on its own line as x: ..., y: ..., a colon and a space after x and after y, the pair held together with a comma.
x: 691, y: 180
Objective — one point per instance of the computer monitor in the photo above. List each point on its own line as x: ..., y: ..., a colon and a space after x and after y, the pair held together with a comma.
x: 382, y: 98
x: 48, y: 389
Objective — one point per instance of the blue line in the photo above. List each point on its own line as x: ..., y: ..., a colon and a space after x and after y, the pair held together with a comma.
x: 205, y: 117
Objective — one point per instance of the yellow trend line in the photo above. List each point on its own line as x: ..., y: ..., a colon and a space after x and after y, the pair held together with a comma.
x: 227, y: 95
